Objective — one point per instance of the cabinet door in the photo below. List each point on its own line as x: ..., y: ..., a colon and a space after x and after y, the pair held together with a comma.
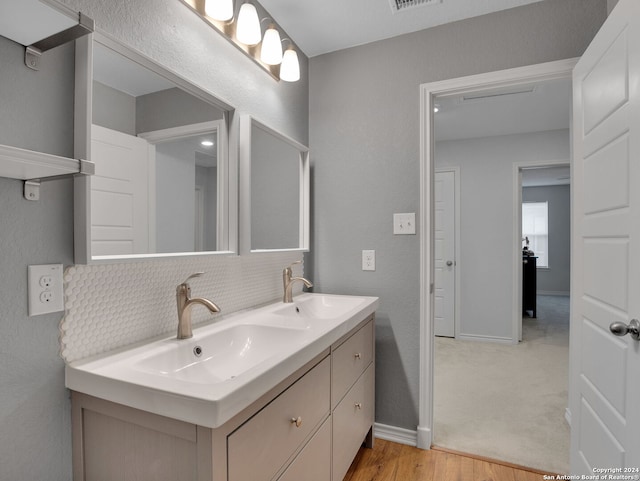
x: 262, y: 445
x: 352, y: 419
x: 314, y: 462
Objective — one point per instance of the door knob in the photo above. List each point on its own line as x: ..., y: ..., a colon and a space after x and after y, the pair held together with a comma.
x: 449, y: 263
x: 622, y: 329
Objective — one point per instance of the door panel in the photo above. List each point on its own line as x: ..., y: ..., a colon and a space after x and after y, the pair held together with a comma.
x: 605, y: 379
x: 445, y: 263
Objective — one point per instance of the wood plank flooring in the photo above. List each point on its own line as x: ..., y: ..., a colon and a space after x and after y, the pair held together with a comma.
x: 389, y: 461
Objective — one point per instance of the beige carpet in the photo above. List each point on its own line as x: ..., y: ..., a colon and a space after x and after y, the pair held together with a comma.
x: 508, y: 401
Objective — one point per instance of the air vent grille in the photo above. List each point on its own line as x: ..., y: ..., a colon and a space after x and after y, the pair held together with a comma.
x: 400, y: 5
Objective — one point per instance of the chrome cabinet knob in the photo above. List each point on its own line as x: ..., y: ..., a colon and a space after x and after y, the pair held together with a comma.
x: 357, y: 355
x: 358, y: 405
x: 297, y: 421
x: 622, y: 329
x: 449, y: 263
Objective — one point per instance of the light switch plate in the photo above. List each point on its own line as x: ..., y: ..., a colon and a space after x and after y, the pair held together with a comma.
x: 46, y: 293
x: 404, y: 223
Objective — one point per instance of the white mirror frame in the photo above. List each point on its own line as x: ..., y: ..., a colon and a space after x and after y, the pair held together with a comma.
x: 246, y: 124
x: 227, y: 206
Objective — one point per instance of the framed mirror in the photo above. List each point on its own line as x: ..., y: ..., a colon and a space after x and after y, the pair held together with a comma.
x: 274, y: 190
x: 161, y: 185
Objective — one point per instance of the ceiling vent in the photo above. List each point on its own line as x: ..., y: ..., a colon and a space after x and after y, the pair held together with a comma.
x: 401, y: 5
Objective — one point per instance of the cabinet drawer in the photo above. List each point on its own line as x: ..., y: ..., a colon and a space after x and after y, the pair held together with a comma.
x: 352, y: 419
x: 262, y: 445
x: 349, y: 360
x: 314, y: 461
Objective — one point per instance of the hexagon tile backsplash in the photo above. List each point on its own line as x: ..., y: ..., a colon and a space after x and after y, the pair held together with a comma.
x: 112, y: 305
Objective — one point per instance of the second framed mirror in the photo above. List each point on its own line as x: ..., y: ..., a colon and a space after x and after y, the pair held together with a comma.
x: 274, y: 190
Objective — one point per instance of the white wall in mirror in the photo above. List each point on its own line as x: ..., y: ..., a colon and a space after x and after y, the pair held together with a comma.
x: 274, y: 190
x: 160, y: 146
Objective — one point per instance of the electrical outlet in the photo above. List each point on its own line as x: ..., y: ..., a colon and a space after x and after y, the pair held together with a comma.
x: 368, y: 260
x: 46, y: 292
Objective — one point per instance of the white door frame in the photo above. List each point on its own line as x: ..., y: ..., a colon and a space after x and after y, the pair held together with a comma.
x: 517, y: 76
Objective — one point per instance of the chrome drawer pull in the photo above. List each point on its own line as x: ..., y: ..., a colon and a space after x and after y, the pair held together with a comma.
x: 357, y: 355
x: 358, y: 405
x: 297, y: 421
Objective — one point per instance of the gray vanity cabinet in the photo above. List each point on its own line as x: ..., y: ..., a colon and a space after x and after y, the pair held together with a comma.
x: 308, y: 427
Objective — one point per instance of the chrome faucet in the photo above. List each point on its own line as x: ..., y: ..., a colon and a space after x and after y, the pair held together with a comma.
x: 288, y: 280
x: 185, y: 303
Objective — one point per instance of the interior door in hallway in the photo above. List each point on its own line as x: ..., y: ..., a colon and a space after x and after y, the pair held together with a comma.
x: 605, y: 380
x: 445, y: 261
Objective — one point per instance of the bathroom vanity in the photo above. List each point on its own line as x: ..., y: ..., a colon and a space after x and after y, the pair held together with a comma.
x: 299, y: 412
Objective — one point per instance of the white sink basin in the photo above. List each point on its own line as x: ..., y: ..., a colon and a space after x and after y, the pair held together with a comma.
x: 225, y: 366
x: 220, y: 356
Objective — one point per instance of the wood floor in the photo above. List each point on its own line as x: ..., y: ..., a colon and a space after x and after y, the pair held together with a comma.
x: 389, y: 461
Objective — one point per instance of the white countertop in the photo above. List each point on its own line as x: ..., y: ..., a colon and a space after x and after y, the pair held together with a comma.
x: 243, y: 356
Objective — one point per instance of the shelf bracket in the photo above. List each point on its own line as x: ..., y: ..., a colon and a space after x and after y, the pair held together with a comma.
x: 32, y: 186
x: 33, y: 52
x: 32, y: 189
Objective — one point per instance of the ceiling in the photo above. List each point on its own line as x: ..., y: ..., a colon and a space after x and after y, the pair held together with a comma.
x: 517, y: 110
x: 323, y: 26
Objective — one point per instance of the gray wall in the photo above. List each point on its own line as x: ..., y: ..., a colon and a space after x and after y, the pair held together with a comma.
x: 364, y: 125
x: 555, y: 278
x: 113, y: 109
x: 35, y: 429
x: 172, y: 108
x: 36, y: 107
x: 487, y: 222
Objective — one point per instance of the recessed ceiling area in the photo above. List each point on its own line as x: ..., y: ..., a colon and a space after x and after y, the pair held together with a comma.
x: 323, y: 26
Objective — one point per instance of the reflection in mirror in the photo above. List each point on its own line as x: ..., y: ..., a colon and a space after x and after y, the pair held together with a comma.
x: 276, y: 180
x: 160, y: 155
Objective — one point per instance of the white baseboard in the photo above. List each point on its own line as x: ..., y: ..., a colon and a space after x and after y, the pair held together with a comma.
x: 472, y: 337
x: 395, y: 434
x: 553, y: 293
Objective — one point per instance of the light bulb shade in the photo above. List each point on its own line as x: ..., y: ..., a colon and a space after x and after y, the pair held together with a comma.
x: 271, y: 52
x: 290, y: 68
x: 248, y: 29
x: 221, y: 10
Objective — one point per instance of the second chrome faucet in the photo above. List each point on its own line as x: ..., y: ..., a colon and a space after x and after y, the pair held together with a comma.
x: 185, y: 304
x: 288, y: 280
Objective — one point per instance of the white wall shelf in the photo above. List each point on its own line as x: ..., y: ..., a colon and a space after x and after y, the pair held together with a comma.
x: 16, y: 163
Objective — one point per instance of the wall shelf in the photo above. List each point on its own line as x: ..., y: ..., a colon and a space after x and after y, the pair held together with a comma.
x: 16, y: 163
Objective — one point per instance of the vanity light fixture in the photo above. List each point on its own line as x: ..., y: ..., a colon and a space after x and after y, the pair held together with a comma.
x: 290, y: 66
x: 248, y: 28
x: 271, y: 50
x: 242, y: 27
x: 221, y: 10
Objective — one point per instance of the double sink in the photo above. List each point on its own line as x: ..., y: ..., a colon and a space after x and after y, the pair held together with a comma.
x: 225, y: 366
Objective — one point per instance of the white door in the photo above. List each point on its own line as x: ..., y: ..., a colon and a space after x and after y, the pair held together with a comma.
x: 605, y: 380
x: 445, y: 262
x: 119, y: 193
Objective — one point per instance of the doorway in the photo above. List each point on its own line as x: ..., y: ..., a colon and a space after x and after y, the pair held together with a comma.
x: 430, y: 95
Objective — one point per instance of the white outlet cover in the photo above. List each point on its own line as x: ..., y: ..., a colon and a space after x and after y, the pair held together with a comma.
x: 46, y: 293
x: 404, y: 223
x: 368, y: 260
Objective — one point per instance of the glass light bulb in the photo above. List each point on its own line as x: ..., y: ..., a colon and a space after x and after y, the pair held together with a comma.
x: 271, y: 52
x: 290, y: 68
x: 248, y: 29
x: 219, y: 9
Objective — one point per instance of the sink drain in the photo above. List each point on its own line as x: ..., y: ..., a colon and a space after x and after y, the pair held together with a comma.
x: 197, y: 351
